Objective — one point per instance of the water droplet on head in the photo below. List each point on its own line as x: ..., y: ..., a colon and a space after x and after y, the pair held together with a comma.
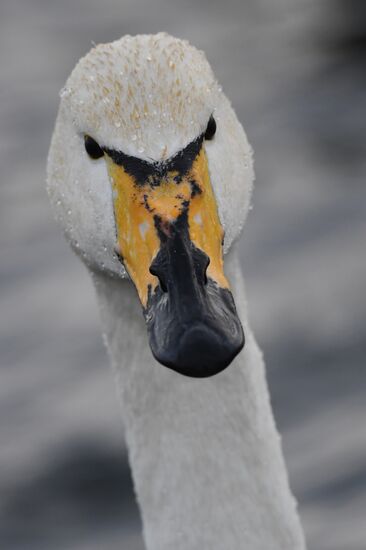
x: 141, y: 149
x: 69, y: 212
x: 117, y: 124
x: 64, y: 92
x: 134, y: 137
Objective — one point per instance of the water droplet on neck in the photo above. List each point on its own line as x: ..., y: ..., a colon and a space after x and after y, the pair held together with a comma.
x: 64, y: 92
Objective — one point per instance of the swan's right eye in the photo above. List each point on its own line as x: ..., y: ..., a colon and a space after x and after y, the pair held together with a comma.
x: 92, y: 148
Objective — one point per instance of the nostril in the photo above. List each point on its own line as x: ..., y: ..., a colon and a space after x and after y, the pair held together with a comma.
x: 156, y: 272
x: 201, y: 263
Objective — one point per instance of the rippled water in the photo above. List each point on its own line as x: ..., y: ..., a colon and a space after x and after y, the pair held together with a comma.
x: 295, y: 72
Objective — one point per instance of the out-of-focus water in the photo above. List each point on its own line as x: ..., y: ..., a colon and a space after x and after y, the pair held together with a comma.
x: 295, y: 71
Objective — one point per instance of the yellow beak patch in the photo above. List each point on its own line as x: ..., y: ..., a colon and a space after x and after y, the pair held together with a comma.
x: 160, y: 200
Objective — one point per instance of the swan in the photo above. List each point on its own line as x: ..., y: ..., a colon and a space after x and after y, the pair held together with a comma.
x: 150, y: 175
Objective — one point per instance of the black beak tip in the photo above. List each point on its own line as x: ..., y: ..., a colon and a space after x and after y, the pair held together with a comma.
x: 201, y: 352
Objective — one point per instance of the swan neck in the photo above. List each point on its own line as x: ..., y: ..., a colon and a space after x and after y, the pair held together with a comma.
x: 205, y: 454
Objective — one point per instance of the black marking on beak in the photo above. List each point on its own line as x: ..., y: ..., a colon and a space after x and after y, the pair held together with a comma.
x: 192, y: 323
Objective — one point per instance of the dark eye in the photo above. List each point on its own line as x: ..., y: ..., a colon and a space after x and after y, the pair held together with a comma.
x: 211, y: 128
x: 92, y: 148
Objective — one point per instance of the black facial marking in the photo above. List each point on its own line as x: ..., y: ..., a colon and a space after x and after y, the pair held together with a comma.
x: 211, y: 128
x: 144, y: 172
x: 92, y: 148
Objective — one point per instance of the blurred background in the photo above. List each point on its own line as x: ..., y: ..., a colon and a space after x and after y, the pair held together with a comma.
x: 295, y: 72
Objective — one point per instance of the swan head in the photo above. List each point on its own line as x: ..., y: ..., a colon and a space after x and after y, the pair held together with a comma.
x: 150, y: 174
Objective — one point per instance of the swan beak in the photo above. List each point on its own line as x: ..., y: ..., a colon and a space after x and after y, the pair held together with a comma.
x: 170, y: 241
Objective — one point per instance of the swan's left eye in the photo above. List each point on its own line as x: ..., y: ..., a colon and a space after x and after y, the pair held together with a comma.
x: 92, y: 148
x: 211, y: 128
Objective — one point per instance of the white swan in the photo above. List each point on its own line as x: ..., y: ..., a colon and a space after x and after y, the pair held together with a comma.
x: 131, y: 169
